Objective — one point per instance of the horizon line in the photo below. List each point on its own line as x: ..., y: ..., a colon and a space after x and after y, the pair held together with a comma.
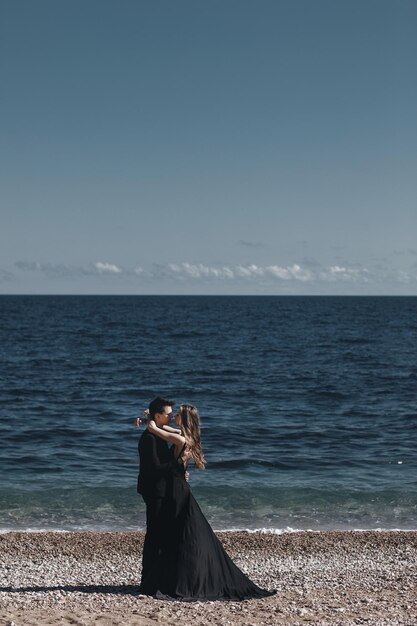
x: 212, y: 295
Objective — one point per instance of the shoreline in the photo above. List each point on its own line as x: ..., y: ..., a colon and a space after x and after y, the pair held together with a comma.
x: 321, y: 577
x: 220, y: 531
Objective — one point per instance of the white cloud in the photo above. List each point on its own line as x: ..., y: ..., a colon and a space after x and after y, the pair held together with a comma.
x: 337, y: 272
x: 406, y: 277
x: 191, y: 270
x: 287, y: 273
x: 294, y: 272
x: 262, y: 276
x: 61, y: 270
x: 107, y: 268
x: 245, y: 272
x: 249, y: 271
x: 199, y: 271
x: 51, y: 269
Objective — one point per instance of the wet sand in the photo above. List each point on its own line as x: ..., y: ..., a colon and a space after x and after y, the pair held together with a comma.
x: 327, y: 578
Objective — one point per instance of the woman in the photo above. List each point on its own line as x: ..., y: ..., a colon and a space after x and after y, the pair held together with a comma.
x: 193, y: 564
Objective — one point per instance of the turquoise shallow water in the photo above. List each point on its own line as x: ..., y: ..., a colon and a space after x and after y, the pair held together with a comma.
x: 309, y: 408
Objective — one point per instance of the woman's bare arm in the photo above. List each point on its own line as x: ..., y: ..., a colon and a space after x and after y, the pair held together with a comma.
x: 139, y: 421
x: 169, y: 429
x: 178, y: 440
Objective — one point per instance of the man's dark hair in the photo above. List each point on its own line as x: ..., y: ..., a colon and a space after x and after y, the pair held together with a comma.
x: 157, y: 406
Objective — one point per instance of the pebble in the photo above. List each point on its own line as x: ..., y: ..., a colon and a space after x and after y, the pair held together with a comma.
x: 328, y: 578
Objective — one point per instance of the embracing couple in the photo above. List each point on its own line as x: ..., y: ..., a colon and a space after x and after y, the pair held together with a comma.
x: 182, y: 557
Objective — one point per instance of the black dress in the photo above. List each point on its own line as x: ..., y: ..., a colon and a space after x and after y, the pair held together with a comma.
x: 193, y: 564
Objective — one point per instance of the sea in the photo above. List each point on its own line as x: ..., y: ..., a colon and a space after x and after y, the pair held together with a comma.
x: 308, y: 408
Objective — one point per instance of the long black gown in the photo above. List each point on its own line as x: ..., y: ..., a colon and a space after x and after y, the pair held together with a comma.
x: 193, y: 564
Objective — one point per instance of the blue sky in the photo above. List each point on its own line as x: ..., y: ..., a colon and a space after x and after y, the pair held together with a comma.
x: 208, y: 146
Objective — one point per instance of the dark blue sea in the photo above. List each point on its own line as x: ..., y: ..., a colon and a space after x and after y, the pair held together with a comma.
x: 308, y: 405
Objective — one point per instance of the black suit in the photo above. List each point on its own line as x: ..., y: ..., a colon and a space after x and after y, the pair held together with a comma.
x: 154, y: 481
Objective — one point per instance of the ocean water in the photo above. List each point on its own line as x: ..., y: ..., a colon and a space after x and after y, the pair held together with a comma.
x: 308, y: 406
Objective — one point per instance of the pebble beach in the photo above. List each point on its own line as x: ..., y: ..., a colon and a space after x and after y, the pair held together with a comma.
x: 323, y: 578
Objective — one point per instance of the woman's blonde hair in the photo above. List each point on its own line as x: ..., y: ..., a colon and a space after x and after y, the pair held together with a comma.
x: 190, y: 422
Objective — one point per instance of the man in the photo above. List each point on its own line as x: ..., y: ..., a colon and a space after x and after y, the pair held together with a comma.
x: 154, y: 478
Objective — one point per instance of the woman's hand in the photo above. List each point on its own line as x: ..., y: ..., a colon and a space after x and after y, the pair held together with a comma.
x: 142, y: 420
